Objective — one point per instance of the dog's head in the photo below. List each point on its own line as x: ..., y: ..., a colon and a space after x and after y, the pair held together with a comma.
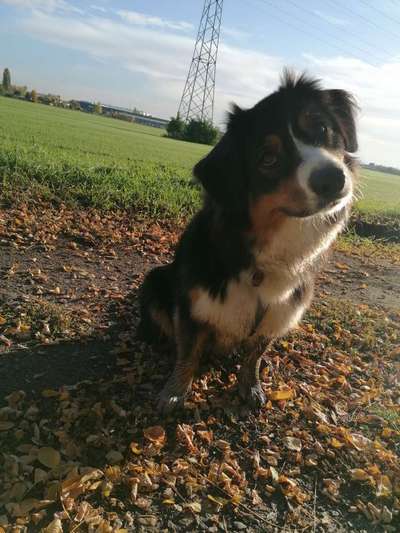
x: 288, y: 154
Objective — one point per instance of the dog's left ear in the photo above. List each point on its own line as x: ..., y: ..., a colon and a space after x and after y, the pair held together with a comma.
x: 223, y: 171
x: 345, y: 108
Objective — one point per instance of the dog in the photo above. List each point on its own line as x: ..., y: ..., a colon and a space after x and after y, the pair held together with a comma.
x: 278, y: 189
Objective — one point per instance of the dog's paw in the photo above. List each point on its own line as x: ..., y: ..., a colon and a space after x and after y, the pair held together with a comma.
x: 253, y: 395
x: 169, y: 402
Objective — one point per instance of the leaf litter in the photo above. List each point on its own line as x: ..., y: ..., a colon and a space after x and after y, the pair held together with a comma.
x: 321, y: 454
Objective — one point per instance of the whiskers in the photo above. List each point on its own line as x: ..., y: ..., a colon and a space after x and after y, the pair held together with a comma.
x: 358, y: 193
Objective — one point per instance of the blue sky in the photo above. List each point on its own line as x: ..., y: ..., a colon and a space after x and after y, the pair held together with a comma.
x: 137, y: 53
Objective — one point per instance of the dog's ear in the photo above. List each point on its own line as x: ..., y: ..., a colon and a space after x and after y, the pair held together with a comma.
x: 222, y: 172
x: 345, y: 108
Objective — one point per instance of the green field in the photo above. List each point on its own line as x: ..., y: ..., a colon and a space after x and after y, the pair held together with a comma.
x: 95, y: 160
x: 380, y: 193
x: 99, y: 161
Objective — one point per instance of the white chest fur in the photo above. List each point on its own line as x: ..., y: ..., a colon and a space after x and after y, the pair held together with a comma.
x: 284, y: 263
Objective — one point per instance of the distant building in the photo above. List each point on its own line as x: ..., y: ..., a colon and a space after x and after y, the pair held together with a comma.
x: 125, y: 114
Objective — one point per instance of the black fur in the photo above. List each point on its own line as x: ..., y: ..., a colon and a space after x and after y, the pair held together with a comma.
x: 218, y: 244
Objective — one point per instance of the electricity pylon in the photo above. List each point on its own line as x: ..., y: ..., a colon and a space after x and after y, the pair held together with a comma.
x: 198, y: 95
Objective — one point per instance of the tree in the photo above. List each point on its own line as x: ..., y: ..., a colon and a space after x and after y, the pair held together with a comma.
x: 176, y: 127
x: 200, y: 131
x: 97, y: 108
x: 19, y: 90
x: 34, y: 96
x: 6, y: 80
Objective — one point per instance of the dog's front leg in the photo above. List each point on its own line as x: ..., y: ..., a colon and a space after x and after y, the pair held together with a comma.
x: 250, y: 388
x: 190, y: 342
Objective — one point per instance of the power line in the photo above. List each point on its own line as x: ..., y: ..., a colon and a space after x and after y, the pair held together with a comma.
x: 316, y: 14
x: 365, y: 19
x: 305, y: 32
x: 392, y: 19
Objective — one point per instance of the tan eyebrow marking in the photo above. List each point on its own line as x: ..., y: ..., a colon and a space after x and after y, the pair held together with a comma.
x: 273, y: 143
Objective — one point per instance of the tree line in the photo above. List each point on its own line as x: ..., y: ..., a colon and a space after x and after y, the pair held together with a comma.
x: 196, y: 130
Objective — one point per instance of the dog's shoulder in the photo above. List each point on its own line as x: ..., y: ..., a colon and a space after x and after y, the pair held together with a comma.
x: 211, y: 251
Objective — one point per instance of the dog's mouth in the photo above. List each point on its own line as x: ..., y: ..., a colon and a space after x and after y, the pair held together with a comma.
x: 321, y: 208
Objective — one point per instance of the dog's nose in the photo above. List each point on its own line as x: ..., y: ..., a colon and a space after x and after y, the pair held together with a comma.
x: 327, y: 181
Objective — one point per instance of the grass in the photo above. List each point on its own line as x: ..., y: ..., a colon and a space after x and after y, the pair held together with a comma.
x: 94, y: 160
x: 97, y: 161
x: 381, y: 193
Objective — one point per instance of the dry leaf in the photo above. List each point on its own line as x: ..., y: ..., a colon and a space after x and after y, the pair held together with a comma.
x: 54, y: 527
x: 193, y: 506
x: 358, y: 474
x: 285, y: 394
x: 156, y: 435
x: 293, y: 443
x: 49, y: 457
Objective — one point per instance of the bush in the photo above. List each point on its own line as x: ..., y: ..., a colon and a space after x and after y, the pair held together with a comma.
x: 176, y: 127
x: 200, y: 131
x: 197, y: 131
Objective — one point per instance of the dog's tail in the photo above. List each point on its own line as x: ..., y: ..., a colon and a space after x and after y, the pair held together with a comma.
x: 157, y: 305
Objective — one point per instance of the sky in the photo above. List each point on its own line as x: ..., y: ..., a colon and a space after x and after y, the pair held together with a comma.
x: 137, y: 53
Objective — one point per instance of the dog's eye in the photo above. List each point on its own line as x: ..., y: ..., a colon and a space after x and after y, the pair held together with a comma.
x: 269, y: 160
x: 320, y: 131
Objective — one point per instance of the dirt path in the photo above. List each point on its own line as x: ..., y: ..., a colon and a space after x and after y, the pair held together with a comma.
x: 90, y: 284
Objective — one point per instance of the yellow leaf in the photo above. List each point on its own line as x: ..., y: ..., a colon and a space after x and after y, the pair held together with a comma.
x: 2, y: 320
x: 49, y: 457
x: 49, y: 393
x: 342, y: 266
x: 336, y: 443
x: 383, y: 487
x: 286, y: 394
x: 168, y: 502
x: 218, y: 500
x: 193, y: 506
x: 323, y: 428
x: 387, y: 432
x: 357, y: 474
x: 106, y: 488
x: 134, y: 446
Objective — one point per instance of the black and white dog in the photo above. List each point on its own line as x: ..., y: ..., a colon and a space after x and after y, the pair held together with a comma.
x: 278, y: 189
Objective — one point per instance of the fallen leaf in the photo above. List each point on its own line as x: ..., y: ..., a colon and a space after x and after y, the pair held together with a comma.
x: 293, y: 443
x: 342, y: 266
x: 193, y: 506
x: 5, y: 425
x: 284, y: 394
x: 358, y: 474
x: 49, y: 457
x: 156, y: 435
x: 55, y: 526
x: 114, y: 456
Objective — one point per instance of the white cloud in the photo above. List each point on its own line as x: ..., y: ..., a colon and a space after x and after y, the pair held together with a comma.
x: 243, y: 75
x: 45, y: 5
x: 140, y: 19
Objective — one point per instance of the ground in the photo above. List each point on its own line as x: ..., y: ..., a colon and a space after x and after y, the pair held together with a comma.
x: 83, y: 446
